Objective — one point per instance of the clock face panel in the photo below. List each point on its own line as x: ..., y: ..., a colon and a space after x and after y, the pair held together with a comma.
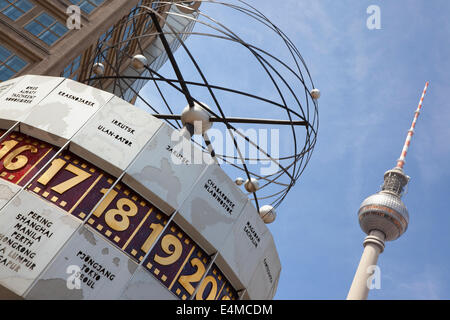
x: 88, y: 267
x: 22, y: 156
x: 19, y: 96
x: 31, y: 235
x: 72, y: 184
x: 115, y: 213
x: 215, y: 286
x: 177, y: 224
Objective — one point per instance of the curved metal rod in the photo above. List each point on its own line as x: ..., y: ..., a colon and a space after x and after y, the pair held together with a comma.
x: 309, y: 120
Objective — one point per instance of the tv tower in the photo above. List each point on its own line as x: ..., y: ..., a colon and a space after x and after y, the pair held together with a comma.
x: 383, y: 217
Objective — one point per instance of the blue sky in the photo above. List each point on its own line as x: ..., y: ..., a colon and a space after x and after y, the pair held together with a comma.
x: 371, y: 82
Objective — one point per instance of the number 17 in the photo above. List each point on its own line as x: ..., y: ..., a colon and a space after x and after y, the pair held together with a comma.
x: 56, y: 167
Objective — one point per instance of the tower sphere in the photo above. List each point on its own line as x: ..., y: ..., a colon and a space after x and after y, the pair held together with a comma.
x: 196, y: 116
x: 138, y: 62
x: 385, y: 212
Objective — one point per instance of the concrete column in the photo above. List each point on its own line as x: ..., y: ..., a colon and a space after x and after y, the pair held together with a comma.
x: 373, y: 246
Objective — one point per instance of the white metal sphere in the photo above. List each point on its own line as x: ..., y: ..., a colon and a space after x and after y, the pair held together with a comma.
x: 315, y: 94
x: 252, y: 185
x: 138, y: 62
x: 267, y: 214
x: 98, y: 69
x: 198, y: 117
x: 384, y: 212
x: 239, y: 181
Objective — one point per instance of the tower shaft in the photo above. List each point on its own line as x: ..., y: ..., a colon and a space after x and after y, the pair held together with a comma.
x: 373, y: 246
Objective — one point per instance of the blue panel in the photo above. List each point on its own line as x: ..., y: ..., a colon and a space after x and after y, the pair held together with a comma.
x: 3, y: 4
x: 97, y: 2
x: 5, y: 73
x: 87, y: 7
x: 13, y: 13
x: 48, y: 37
x: 34, y: 27
x: 24, y: 5
x: 76, y: 64
x: 45, y: 19
x: 59, y: 29
x: 16, y: 63
x: 4, y: 53
x: 66, y: 72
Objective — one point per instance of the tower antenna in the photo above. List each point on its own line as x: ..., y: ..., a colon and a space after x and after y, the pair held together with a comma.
x: 401, y: 160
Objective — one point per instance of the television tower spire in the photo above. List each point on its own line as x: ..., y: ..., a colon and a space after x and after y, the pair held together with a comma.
x: 383, y: 217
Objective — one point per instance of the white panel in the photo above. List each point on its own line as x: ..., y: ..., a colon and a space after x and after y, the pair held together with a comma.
x: 169, y: 37
x: 244, y: 247
x: 159, y: 45
x: 265, y: 279
x: 156, y: 48
x: 18, y: 102
x: 7, y: 85
x: 63, y: 112
x: 150, y: 58
x: 144, y: 286
x: 184, y: 22
x: 163, y: 173
x: 115, y: 135
x: 31, y: 233
x: 275, y: 286
x: 174, y: 23
x: 211, y: 210
x: 87, y: 268
x: 7, y: 191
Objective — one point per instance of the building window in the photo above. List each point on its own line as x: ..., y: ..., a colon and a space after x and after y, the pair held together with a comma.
x: 10, y: 64
x: 87, y: 5
x: 128, y: 31
x: 71, y: 71
x: 46, y: 28
x: 106, y: 36
x: 14, y: 9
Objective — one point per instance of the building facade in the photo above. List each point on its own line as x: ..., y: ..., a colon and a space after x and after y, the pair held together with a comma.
x: 35, y: 38
x: 45, y: 38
